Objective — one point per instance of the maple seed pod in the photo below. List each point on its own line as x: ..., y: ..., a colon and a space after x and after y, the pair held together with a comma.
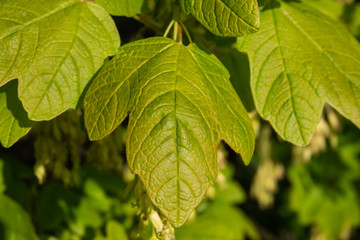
x: 156, y: 221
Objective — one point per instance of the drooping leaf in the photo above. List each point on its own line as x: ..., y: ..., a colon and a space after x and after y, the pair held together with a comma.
x: 53, y: 48
x: 225, y: 17
x: 127, y: 8
x: 14, y: 122
x: 14, y: 221
x: 181, y: 104
x: 299, y: 60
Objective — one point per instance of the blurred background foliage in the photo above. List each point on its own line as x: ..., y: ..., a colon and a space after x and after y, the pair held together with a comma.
x: 56, y: 185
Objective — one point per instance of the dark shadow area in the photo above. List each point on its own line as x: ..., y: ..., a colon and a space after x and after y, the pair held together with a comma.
x: 238, y: 66
x: 275, y: 221
x: 55, y: 199
x: 269, y: 4
x: 327, y: 171
x: 2, y: 231
x: 131, y: 29
x: 14, y: 104
x: 145, y: 7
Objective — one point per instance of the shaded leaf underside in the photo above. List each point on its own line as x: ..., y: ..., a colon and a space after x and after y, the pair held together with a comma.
x: 181, y: 104
x: 299, y: 60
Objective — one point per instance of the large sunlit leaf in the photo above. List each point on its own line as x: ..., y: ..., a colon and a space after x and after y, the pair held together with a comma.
x: 53, y: 48
x: 181, y: 104
x: 14, y: 221
x: 14, y: 122
x: 127, y: 8
x: 299, y: 60
x: 225, y: 17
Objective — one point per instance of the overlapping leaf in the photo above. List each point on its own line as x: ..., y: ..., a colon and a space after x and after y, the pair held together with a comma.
x: 225, y: 17
x: 127, y: 8
x: 53, y: 48
x: 299, y: 60
x: 181, y: 104
x: 14, y: 122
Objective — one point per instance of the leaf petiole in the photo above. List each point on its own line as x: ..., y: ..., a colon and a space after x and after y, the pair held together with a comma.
x: 176, y: 30
x: 186, y: 31
x: 169, y: 28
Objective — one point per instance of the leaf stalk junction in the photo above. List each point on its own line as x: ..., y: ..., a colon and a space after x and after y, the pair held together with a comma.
x: 177, y: 26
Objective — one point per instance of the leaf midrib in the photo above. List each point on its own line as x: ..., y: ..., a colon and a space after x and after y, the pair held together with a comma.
x: 177, y: 138
x: 177, y: 120
x: 212, y: 134
x: 58, y: 67
x: 288, y: 80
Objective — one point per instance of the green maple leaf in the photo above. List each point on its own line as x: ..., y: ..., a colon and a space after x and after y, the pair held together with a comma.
x: 225, y: 17
x: 127, y: 8
x: 181, y: 105
x: 14, y: 122
x: 301, y: 59
x: 53, y: 48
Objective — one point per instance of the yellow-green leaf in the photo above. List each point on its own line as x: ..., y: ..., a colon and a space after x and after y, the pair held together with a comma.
x: 233, y: 18
x: 53, y: 48
x: 181, y: 104
x: 301, y: 59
